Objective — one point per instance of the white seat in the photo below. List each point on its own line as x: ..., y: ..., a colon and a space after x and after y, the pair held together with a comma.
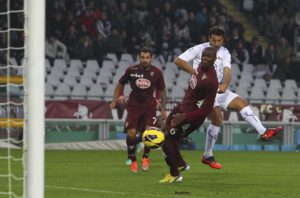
x: 246, y: 80
x: 273, y: 95
x: 127, y: 90
x: 123, y: 65
x: 87, y: 81
x: 288, y: 96
x: 275, y: 83
x: 78, y: 92
x: 127, y: 57
x: 242, y: 92
x: 107, y: 64
x: 76, y: 63
x: 157, y: 64
x: 62, y: 92
x: 109, y: 92
x: 104, y: 78
x: 113, y: 58
x: 95, y: 92
x: 89, y: 74
x: 49, y: 91
x: 58, y: 70
x: 171, y: 67
x: 92, y: 65
x: 257, y: 95
x: 70, y: 80
x: 74, y: 71
x: 53, y: 79
x: 290, y: 83
x: 60, y: 63
x: 260, y: 83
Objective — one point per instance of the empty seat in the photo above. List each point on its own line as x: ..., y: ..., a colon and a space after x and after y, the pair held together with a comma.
x: 53, y: 79
x: 113, y: 58
x: 127, y: 57
x: 260, y: 83
x: 257, y: 95
x: 87, y: 81
x: 273, y: 95
x: 70, y: 80
x: 288, y: 96
x: 76, y: 63
x: 242, y: 92
x: 290, y: 83
x: 92, y: 65
x: 95, y: 91
x: 78, y: 92
x: 60, y: 63
x: 62, y: 92
x: 49, y: 91
x: 246, y: 79
x: 275, y: 83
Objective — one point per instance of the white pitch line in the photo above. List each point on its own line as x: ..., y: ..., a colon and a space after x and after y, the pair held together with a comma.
x: 102, y: 191
x: 113, y: 192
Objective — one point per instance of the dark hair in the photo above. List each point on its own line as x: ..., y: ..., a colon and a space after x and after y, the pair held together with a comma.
x: 216, y: 31
x: 146, y: 50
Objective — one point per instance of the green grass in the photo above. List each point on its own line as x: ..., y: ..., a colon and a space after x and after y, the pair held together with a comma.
x: 97, y: 174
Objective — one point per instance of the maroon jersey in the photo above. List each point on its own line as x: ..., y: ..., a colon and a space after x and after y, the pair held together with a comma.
x: 200, y: 96
x: 143, y: 83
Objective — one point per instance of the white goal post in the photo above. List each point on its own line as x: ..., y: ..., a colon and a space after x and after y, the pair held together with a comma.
x: 34, y: 97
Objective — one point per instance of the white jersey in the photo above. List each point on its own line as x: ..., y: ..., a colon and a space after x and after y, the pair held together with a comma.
x: 195, y: 53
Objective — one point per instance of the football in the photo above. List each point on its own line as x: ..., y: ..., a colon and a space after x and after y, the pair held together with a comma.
x: 153, y: 137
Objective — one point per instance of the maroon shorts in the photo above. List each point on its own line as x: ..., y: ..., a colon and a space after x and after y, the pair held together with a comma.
x: 140, y: 117
x: 184, y: 129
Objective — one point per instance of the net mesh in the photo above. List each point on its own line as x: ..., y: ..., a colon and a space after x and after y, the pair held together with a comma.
x: 12, y: 51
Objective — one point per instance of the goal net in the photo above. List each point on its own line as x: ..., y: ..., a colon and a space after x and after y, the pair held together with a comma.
x: 22, y: 25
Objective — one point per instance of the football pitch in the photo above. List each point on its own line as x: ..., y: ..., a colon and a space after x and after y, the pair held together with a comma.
x: 97, y: 174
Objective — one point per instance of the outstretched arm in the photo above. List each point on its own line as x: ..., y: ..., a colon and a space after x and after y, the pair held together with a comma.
x: 185, y: 66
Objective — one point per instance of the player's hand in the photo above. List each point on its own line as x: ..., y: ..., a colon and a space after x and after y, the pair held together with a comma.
x: 122, y: 100
x: 222, y: 88
x: 113, y: 104
x: 177, y: 119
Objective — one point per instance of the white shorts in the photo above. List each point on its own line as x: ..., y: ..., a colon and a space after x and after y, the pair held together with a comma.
x: 224, y: 99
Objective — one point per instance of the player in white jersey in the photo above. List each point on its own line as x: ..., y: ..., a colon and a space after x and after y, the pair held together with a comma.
x: 225, y: 98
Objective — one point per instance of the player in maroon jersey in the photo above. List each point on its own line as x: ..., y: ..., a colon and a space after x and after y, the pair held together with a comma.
x: 190, y: 114
x: 144, y: 80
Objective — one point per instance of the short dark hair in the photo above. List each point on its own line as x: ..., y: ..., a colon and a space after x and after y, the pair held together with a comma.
x: 145, y: 49
x: 216, y: 31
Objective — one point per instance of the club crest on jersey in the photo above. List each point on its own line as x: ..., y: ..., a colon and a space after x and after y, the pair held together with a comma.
x: 204, y: 76
x: 193, y: 82
x: 143, y: 83
x: 200, y: 103
x: 151, y: 73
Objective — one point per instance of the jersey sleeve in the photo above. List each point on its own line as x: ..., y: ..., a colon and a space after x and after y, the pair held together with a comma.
x: 207, y: 107
x: 191, y: 53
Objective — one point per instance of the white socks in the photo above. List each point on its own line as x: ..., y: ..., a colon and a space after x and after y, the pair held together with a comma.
x: 211, y: 138
x: 248, y: 115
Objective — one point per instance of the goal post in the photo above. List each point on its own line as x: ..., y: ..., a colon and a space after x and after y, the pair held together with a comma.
x: 34, y: 97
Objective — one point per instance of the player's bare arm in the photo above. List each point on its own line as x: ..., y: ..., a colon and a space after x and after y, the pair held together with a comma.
x: 118, y: 91
x: 226, y: 80
x: 163, y: 104
x: 185, y: 66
